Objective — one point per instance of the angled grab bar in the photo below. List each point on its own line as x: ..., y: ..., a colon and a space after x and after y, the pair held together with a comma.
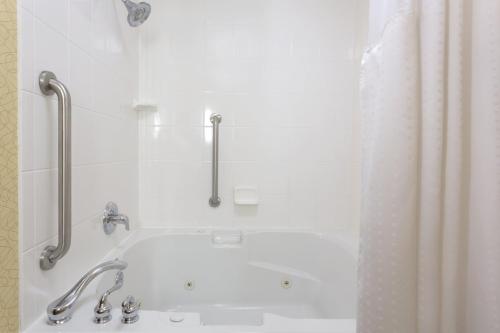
x: 50, y: 85
x: 214, y: 200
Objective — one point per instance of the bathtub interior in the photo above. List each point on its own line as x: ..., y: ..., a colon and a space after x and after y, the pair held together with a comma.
x: 236, y: 278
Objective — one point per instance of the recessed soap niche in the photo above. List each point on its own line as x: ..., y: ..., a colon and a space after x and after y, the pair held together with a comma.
x: 246, y: 196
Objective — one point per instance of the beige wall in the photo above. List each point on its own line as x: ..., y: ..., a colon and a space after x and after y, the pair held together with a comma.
x: 9, y: 272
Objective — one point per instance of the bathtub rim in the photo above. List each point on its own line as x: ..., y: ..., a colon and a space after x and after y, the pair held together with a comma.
x: 347, y: 241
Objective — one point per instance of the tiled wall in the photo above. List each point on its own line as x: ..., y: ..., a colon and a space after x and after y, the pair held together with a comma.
x: 282, y: 73
x: 284, y: 76
x: 9, y: 263
x: 91, y: 49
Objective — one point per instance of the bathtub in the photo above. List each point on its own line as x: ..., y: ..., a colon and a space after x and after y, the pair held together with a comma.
x: 232, y: 281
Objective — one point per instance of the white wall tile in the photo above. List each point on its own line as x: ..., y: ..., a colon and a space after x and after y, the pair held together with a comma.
x: 45, y: 197
x: 95, y: 185
x: 99, y: 138
x: 337, y: 197
x: 80, y: 24
x: 27, y: 4
x: 80, y: 77
x: 283, y: 76
x: 54, y: 13
x: 51, y: 52
x: 236, y: 11
x: 174, y: 143
x: 45, y: 114
x: 102, y: 79
x: 32, y: 305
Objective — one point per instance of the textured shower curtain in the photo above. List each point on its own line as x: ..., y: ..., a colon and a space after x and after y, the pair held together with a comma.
x: 430, y: 230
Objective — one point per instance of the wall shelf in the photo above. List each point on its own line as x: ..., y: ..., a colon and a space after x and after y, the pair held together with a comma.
x: 145, y: 106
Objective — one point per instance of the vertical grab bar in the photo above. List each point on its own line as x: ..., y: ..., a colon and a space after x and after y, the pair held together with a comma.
x: 50, y: 85
x: 214, y: 200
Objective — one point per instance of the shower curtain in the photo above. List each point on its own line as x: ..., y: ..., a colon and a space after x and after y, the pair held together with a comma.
x: 430, y: 230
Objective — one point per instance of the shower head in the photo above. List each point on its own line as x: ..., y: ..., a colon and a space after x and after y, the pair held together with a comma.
x: 137, y: 12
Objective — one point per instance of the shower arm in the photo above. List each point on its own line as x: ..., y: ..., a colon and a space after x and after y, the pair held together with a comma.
x: 50, y: 85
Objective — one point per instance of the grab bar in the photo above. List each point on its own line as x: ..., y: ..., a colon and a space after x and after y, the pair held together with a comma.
x: 214, y: 200
x: 50, y: 85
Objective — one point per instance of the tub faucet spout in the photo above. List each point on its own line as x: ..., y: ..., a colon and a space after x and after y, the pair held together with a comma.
x: 61, y: 310
x: 120, y: 219
x: 111, y: 218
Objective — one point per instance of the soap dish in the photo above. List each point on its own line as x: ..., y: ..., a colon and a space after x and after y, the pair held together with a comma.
x: 246, y: 196
x: 145, y: 106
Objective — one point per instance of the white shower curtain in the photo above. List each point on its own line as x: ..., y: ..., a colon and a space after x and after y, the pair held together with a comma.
x: 430, y: 230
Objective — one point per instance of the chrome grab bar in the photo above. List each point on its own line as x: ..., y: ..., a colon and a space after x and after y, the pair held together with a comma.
x: 50, y: 85
x: 214, y: 200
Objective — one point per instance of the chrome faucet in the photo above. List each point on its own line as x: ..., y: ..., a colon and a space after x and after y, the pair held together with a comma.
x: 61, y: 310
x: 111, y: 218
x: 130, y: 310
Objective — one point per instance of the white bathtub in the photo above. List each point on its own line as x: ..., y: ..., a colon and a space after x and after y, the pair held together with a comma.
x: 233, y: 281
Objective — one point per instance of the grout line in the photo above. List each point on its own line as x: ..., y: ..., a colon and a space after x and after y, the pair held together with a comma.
x: 74, y: 225
x: 81, y: 166
x: 108, y: 115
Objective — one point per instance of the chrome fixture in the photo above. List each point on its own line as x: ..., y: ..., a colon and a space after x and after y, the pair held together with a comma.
x: 60, y: 310
x: 214, y: 200
x: 102, y: 311
x: 130, y: 310
x: 138, y: 13
x: 50, y: 85
x: 111, y: 218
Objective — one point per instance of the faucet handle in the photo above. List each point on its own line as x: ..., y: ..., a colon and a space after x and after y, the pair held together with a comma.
x: 130, y: 310
x: 102, y: 311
